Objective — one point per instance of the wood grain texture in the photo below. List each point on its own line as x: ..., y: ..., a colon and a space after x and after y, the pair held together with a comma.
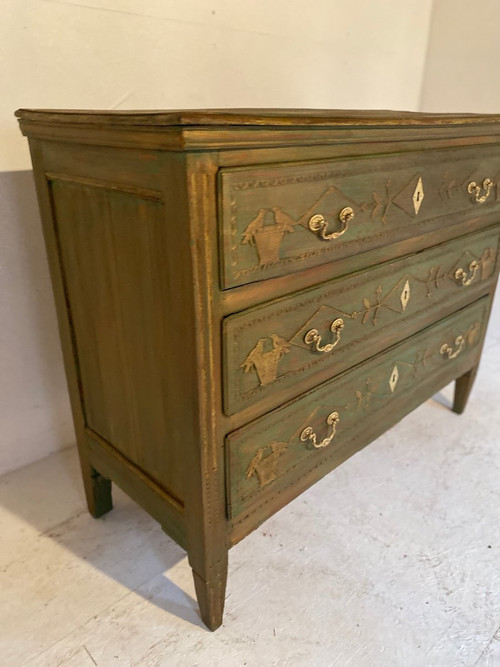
x: 97, y: 492
x: 183, y: 130
x: 207, y: 525
x: 349, y: 117
x: 266, y: 353
x: 112, y: 245
x: 265, y: 213
x: 267, y: 456
x: 160, y: 304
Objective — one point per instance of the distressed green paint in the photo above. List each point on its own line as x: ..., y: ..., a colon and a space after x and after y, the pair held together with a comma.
x: 359, y: 396
x: 372, y: 307
x: 265, y: 212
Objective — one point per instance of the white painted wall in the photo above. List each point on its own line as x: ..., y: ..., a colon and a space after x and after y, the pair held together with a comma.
x: 461, y: 68
x: 129, y: 54
x: 122, y: 54
x: 461, y: 71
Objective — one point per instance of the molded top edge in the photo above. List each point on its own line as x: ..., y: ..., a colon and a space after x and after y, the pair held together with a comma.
x: 252, y: 117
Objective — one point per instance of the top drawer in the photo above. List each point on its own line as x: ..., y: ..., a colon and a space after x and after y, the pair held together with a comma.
x: 280, y: 219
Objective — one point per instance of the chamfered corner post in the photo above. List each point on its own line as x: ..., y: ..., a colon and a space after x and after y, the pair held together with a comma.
x: 463, y: 387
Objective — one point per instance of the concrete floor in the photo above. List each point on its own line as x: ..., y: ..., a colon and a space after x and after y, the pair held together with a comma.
x: 392, y: 559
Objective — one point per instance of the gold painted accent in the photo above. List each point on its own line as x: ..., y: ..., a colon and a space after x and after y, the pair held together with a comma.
x: 393, y: 380
x: 267, y: 238
x: 264, y: 465
x: 472, y: 334
x: 470, y: 338
x: 474, y: 189
x: 317, y: 223
x: 266, y: 363
x: 448, y: 352
x: 308, y: 433
x: 418, y: 196
x: 313, y: 337
x: 465, y: 277
x: 346, y: 214
x: 405, y: 295
x: 265, y: 468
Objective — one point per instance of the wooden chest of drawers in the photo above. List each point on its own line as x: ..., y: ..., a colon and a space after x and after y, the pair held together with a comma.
x: 246, y: 299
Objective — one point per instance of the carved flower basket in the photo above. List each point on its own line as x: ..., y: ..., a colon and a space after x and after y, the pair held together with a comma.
x: 268, y: 241
x: 267, y: 469
x: 266, y: 366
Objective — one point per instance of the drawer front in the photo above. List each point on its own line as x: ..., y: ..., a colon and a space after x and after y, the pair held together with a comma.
x: 277, y: 220
x: 271, y: 349
x: 274, y: 453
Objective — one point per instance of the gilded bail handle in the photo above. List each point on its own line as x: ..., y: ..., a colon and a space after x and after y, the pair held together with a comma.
x: 466, y: 277
x: 313, y: 337
x: 474, y: 189
x: 308, y: 433
x: 318, y: 223
x: 448, y: 352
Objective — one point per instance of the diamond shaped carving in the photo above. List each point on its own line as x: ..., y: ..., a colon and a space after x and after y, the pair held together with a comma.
x: 405, y: 295
x: 418, y: 195
x: 393, y: 380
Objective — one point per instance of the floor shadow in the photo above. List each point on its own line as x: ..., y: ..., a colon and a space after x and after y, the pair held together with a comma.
x: 126, y: 544
x: 442, y: 401
x: 32, y: 368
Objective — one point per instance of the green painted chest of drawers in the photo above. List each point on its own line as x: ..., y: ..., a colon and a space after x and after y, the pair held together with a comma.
x: 247, y: 298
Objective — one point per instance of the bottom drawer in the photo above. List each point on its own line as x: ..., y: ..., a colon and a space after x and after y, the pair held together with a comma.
x: 277, y: 456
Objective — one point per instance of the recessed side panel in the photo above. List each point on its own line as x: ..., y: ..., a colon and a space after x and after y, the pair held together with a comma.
x: 113, y: 252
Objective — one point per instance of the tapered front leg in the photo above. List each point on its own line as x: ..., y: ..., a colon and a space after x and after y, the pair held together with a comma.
x: 211, y: 597
x: 200, y: 420
x: 463, y: 386
x: 97, y: 491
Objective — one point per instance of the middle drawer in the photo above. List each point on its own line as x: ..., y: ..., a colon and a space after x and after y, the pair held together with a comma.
x: 275, y: 351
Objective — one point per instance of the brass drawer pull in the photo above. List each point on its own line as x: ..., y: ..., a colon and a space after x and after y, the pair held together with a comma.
x: 448, y: 352
x: 317, y: 223
x: 313, y: 337
x: 466, y: 277
x: 474, y: 189
x: 308, y: 433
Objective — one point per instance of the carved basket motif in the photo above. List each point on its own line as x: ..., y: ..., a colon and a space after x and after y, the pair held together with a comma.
x: 268, y: 241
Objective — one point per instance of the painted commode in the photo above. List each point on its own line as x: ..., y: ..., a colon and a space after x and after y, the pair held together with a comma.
x: 248, y: 297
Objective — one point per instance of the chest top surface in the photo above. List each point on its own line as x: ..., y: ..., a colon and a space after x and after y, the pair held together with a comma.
x: 212, y: 129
